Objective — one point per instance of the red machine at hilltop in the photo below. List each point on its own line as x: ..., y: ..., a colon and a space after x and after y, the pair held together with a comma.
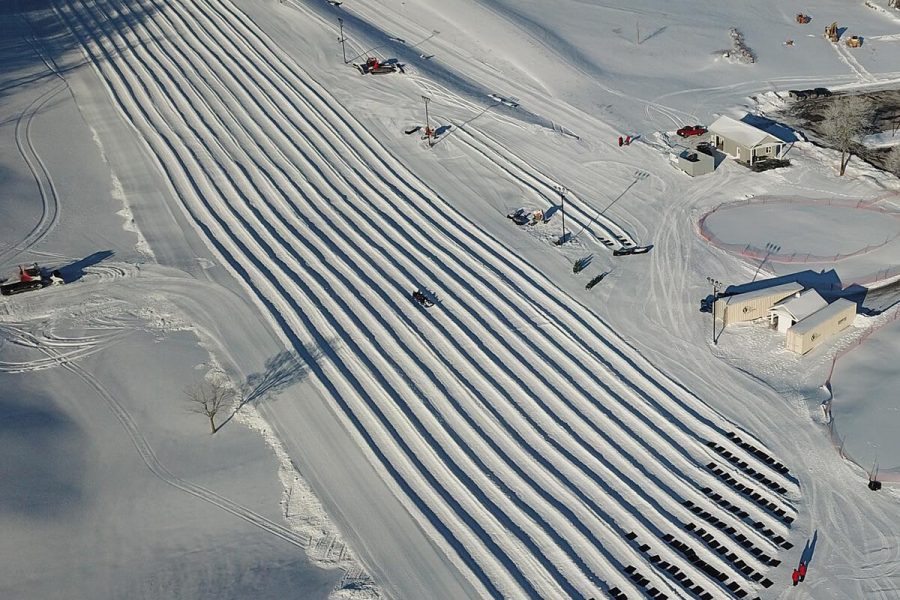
x: 30, y: 278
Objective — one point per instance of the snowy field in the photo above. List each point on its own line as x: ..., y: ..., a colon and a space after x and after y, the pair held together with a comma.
x: 228, y: 197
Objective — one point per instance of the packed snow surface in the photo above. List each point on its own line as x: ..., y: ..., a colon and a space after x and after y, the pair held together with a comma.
x: 229, y: 198
x: 815, y: 228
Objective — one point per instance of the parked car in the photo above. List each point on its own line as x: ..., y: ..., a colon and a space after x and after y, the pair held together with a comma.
x: 690, y: 130
x: 705, y: 148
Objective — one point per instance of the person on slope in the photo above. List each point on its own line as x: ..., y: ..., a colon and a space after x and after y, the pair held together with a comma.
x: 795, y: 576
x: 802, y: 571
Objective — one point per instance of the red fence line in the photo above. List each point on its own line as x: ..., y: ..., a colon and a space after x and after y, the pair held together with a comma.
x: 750, y: 251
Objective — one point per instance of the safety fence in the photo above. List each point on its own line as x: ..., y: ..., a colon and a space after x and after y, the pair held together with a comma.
x: 763, y: 254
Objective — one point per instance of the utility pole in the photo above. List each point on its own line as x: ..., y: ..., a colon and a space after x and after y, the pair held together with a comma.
x: 716, y: 285
x: 343, y: 48
x: 562, y: 191
x: 428, y: 131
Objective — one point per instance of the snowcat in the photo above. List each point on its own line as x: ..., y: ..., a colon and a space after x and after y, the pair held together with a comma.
x: 30, y: 279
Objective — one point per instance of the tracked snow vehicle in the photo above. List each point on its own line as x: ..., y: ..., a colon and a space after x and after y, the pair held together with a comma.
x: 30, y: 279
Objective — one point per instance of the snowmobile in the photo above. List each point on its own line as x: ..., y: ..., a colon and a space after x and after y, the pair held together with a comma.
x: 422, y: 299
x: 30, y: 279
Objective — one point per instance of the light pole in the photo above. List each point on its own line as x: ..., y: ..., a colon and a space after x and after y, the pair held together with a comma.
x: 427, y: 122
x: 562, y: 191
x: 716, y: 285
x: 343, y: 48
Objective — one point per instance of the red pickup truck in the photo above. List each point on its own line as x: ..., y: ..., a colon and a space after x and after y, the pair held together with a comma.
x: 690, y: 130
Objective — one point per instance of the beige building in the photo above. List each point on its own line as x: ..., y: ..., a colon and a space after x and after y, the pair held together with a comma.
x: 752, y: 305
x: 821, y: 325
x: 786, y: 313
x: 743, y: 141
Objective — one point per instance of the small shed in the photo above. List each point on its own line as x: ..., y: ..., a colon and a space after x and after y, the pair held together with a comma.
x: 696, y: 163
x: 819, y: 326
x: 743, y: 141
x: 793, y: 310
x: 753, y: 305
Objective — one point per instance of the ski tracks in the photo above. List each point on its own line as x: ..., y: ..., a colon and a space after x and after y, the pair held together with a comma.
x: 25, y: 144
x: 846, y: 55
x: 40, y: 173
x: 49, y: 348
x: 529, y: 478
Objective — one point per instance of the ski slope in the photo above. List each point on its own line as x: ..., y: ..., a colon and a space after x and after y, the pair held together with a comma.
x: 540, y: 442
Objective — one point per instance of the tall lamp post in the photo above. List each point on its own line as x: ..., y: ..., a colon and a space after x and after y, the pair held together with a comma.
x: 716, y: 285
x: 343, y: 48
x: 427, y: 122
x: 562, y: 191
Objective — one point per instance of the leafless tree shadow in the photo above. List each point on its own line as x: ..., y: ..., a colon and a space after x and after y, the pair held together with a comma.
x: 280, y: 372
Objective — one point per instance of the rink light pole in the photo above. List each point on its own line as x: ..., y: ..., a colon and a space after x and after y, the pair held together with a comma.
x: 716, y: 285
x: 562, y: 191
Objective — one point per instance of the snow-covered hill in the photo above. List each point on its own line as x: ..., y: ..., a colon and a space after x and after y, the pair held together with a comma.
x: 249, y: 205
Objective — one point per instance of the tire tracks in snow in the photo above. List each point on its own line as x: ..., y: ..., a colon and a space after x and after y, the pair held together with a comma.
x: 40, y: 173
x: 50, y: 203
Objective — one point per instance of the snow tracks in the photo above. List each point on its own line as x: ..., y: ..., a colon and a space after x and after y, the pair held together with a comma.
x: 545, y: 456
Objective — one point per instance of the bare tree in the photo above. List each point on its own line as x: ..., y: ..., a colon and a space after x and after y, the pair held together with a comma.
x: 209, y: 398
x: 892, y: 161
x: 843, y: 120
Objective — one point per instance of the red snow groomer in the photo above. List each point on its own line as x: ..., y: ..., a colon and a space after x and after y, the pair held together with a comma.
x: 30, y: 278
x: 376, y: 67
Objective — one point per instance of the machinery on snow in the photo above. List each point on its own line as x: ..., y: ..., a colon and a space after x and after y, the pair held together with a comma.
x: 376, y: 67
x: 30, y: 279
